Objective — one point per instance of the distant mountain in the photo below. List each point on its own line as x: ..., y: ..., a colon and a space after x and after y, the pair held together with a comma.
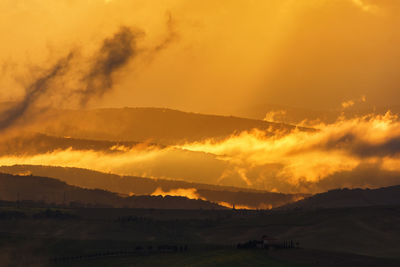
x: 288, y: 114
x: 340, y: 198
x: 146, y: 186
x: 295, y: 115
x: 48, y: 190
x: 156, y: 125
x: 36, y: 143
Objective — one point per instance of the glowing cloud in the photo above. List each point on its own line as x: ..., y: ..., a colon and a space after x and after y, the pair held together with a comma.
x: 190, y: 193
x: 364, y: 6
x: 356, y: 152
x: 347, y: 104
x: 308, y: 158
x: 275, y: 116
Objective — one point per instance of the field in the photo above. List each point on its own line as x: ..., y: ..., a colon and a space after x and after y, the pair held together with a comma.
x: 40, y: 236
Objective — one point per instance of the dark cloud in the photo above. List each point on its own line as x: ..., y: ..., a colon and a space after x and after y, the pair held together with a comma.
x: 354, y: 145
x: 34, y: 91
x: 390, y: 147
x: 114, y: 53
x: 171, y: 34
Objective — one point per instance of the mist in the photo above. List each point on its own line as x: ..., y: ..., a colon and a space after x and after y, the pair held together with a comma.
x: 356, y: 152
x: 230, y: 57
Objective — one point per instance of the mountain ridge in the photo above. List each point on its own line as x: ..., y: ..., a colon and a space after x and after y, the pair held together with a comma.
x: 53, y: 191
x: 86, y: 178
x: 345, y: 197
x: 156, y: 125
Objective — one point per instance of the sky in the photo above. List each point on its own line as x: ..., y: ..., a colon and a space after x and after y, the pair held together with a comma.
x: 227, y: 57
x: 220, y: 57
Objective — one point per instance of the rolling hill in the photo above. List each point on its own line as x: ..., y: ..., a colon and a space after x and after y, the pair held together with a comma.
x: 48, y: 190
x: 341, y: 198
x: 157, y: 125
x: 295, y: 115
x: 35, y: 143
x: 146, y: 186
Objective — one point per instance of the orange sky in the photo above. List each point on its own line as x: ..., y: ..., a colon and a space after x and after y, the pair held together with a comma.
x: 242, y: 53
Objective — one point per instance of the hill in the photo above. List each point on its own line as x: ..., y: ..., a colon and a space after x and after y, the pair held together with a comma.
x: 296, y: 115
x: 157, y: 125
x: 36, y: 143
x: 48, y: 190
x: 340, y: 198
x: 146, y: 186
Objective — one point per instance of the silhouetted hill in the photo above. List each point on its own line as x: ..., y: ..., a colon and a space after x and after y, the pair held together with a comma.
x: 295, y: 115
x: 48, y: 190
x: 36, y: 143
x: 146, y: 186
x: 158, y: 125
x: 340, y: 198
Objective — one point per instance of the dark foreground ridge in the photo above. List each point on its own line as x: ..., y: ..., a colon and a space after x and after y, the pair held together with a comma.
x: 74, y: 236
x: 74, y: 226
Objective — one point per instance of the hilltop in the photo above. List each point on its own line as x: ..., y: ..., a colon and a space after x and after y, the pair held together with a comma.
x: 26, y: 143
x: 156, y: 125
x: 145, y: 186
x: 341, y: 198
x: 52, y: 191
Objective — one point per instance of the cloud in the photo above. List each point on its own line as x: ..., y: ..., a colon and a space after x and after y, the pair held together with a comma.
x: 190, y: 193
x: 74, y: 80
x: 302, y: 160
x: 244, y: 53
x: 363, y: 5
x: 172, y: 34
x: 351, y: 103
x: 114, y: 53
x: 275, y: 115
x: 363, y: 151
x: 34, y: 91
x: 147, y: 161
x: 347, y: 104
